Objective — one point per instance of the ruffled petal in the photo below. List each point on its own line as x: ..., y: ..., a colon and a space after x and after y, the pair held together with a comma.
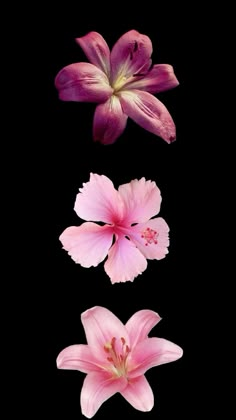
x: 140, y: 324
x: 78, y: 357
x: 139, y: 394
x: 96, y: 50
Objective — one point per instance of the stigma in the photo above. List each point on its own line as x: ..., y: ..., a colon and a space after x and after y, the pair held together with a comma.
x: 150, y: 236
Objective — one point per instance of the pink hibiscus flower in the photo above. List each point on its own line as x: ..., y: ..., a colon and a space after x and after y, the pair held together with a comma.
x: 127, y: 216
x: 116, y: 358
x: 122, y: 83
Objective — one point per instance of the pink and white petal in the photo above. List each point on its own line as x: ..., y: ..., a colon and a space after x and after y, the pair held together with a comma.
x: 149, y: 113
x: 139, y: 394
x: 78, y: 357
x: 97, y: 388
x: 99, y: 201
x: 130, y: 54
x: 140, y: 324
x: 153, y: 230
x: 87, y: 244
x: 83, y: 82
x: 152, y: 352
x: 96, y: 50
x: 161, y: 77
x: 109, y: 121
x: 125, y: 261
x: 142, y: 200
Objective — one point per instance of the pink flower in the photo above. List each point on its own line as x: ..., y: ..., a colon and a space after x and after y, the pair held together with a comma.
x: 127, y: 216
x: 122, y: 83
x: 116, y: 358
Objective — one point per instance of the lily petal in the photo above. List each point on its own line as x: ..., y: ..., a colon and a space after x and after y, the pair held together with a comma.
x: 83, y: 82
x: 78, y: 357
x: 139, y: 394
x: 99, y: 201
x: 125, y: 261
x: 97, y: 388
x: 87, y: 244
x: 149, y: 113
x: 140, y: 324
x: 109, y: 121
x: 96, y: 50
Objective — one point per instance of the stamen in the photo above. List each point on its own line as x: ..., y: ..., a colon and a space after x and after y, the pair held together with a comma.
x: 122, y: 340
x: 150, y: 236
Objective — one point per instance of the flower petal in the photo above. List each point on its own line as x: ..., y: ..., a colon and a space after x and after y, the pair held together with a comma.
x: 140, y: 324
x: 83, y: 82
x: 87, y: 244
x: 152, y: 352
x: 78, y: 357
x: 151, y: 251
x: 97, y: 388
x: 99, y: 201
x: 125, y: 261
x: 130, y: 54
x: 142, y: 200
x: 109, y: 121
x: 96, y: 50
x: 139, y: 394
x: 161, y: 77
x: 149, y: 113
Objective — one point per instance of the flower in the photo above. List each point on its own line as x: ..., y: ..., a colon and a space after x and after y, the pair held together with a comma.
x: 122, y: 83
x: 127, y: 216
x: 116, y: 358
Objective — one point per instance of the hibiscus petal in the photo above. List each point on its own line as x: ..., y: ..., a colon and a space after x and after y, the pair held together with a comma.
x: 125, y: 261
x: 130, y: 54
x: 96, y: 50
x: 99, y: 201
x: 142, y: 200
x: 152, y: 352
x: 87, y: 244
x: 140, y: 324
x: 139, y: 394
x: 78, y: 357
x: 97, y: 388
x: 161, y: 77
x: 149, y: 113
x: 83, y: 82
x: 109, y: 121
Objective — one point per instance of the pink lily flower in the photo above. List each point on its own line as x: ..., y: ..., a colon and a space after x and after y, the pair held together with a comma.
x: 122, y: 83
x: 116, y: 358
x: 127, y: 216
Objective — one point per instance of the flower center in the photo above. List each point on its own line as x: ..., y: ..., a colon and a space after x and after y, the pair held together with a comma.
x: 150, y: 236
x: 117, y: 359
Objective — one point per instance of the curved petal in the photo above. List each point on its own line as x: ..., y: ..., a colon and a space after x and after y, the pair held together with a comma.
x: 152, y: 352
x: 151, y: 238
x: 87, y: 244
x: 83, y: 82
x: 99, y: 201
x: 142, y: 200
x: 161, y: 77
x: 149, y: 113
x: 130, y: 55
x: 109, y: 121
x: 78, y: 357
x: 125, y: 261
x: 140, y: 324
x: 139, y: 394
x: 96, y: 50
x: 97, y: 388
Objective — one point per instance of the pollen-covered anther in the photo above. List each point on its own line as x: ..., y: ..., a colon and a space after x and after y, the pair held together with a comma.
x: 150, y: 236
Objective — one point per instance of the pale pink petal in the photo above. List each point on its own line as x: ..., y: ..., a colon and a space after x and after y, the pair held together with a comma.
x: 149, y: 113
x: 130, y: 55
x: 139, y: 394
x: 109, y: 121
x: 96, y: 50
x: 83, y: 82
x: 154, y: 233
x: 161, y: 77
x: 140, y: 324
x: 142, y: 200
x: 125, y: 261
x: 78, y: 357
x: 97, y: 388
x: 99, y: 201
x: 87, y: 244
x: 152, y: 352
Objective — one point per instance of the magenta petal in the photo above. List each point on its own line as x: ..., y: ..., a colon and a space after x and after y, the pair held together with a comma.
x: 109, y: 121
x: 78, y: 357
x: 83, y: 82
x: 96, y: 50
x: 139, y: 394
x: 140, y: 324
x: 149, y: 113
